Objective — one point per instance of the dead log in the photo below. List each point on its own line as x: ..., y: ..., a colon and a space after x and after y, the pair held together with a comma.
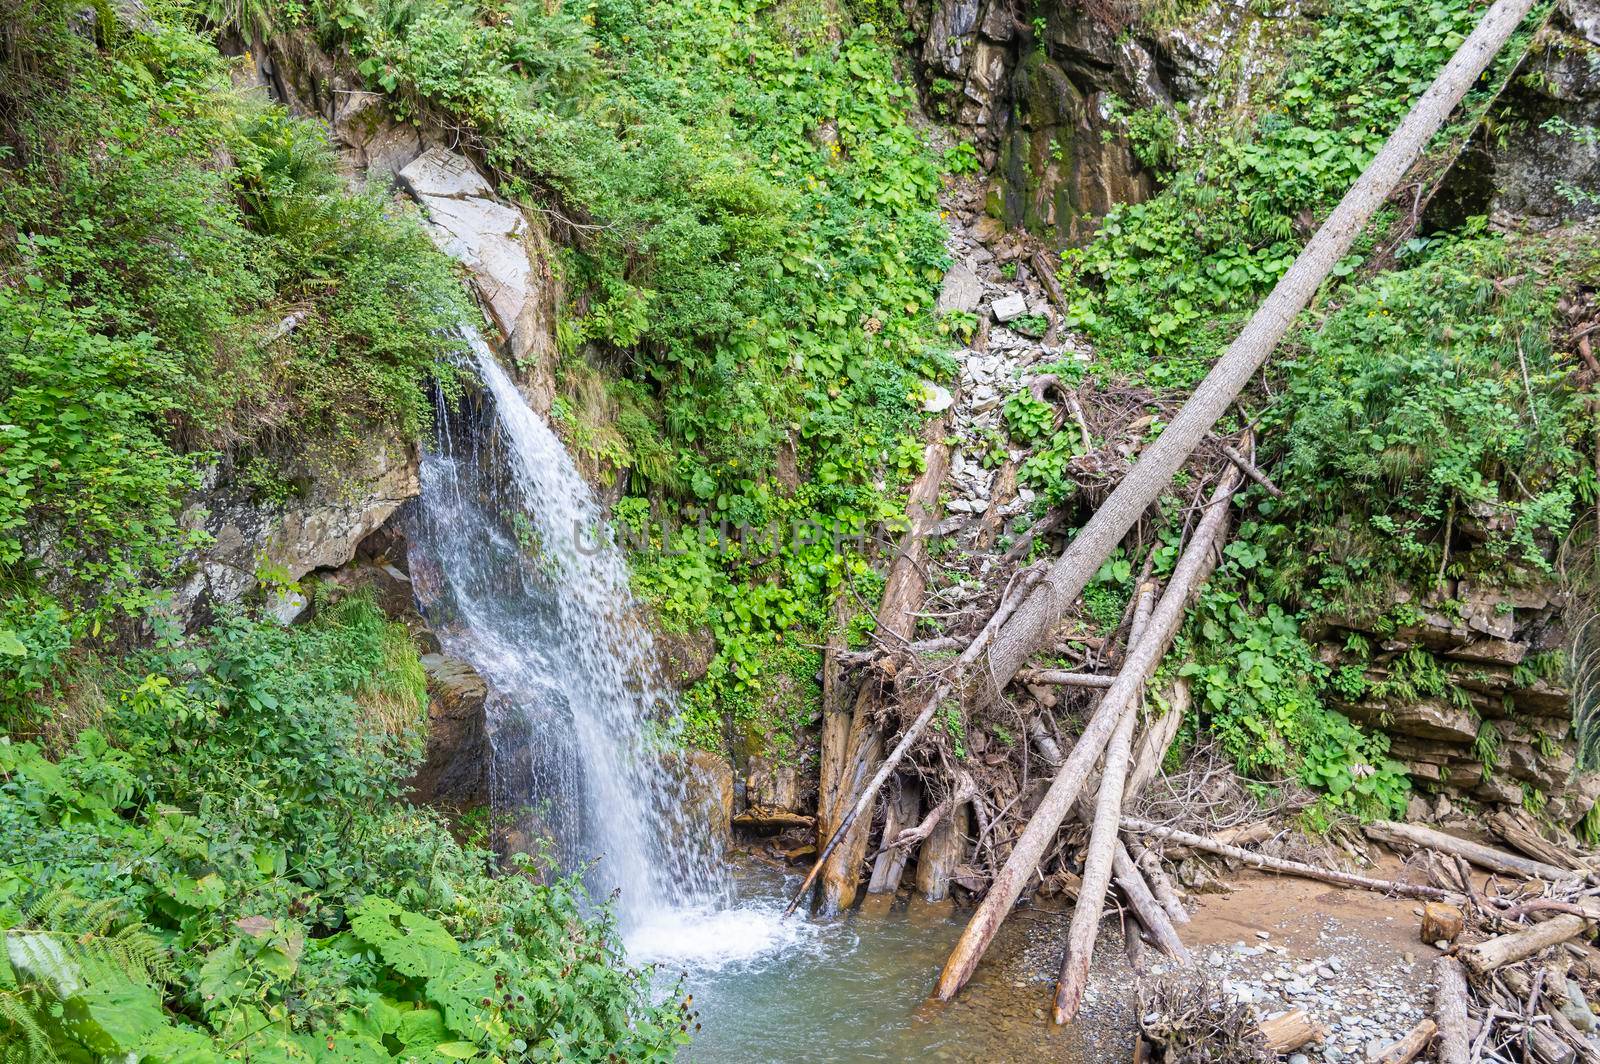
x: 771, y: 821
x: 841, y: 861
x: 1411, y: 1046
x: 1151, y: 748
x: 1288, y: 868
x: 1249, y: 468
x: 1158, y: 463
x: 964, y: 791
x: 940, y: 693
x: 1149, y: 752
x: 1484, y: 856
x: 1441, y: 922
x: 1103, y: 843
x: 1152, y: 914
x: 1287, y: 1031
x: 1044, y: 743
x: 1160, y: 884
x: 890, y: 864
x: 835, y: 716
x: 941, y: 854
x: 1066, y: 679
x: 1519, y: 831
x: 1502, y: 950
x: 1450, y: 1011
x: 1194, y: 565
x: 1047, y: 277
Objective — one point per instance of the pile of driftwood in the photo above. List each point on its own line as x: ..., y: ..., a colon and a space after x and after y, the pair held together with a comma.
x: 1515, y: 973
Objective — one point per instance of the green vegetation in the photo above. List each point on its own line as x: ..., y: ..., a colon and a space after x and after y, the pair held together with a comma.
x: 161, y: 229
x: 1430, y: 398
x: 1408, y: 407
x: 1166, y: 282
x: 221, y: 867
x: 207, y: 854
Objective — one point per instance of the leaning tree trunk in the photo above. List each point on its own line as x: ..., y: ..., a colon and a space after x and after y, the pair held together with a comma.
x: 1031, y: 623
x: 902, y: 597
x: 1028, y: 628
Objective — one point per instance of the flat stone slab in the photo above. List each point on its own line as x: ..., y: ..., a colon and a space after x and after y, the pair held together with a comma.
x: 1009, y: 308
x: 961, y: 291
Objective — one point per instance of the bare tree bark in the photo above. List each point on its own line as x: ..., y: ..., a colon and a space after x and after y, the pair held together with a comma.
x: 1411, y: 1046
x: 1485, y: 957
x: 1103, y: 844
x: 1249, y: 468
x: 1150, y: 911
x: 1450, y: 1011
x: 1485, y: 856
x: 1194, y: 565
x: 1290, y: 868
x: 890, y: 863
x: 1160, y: 885
x: 1031, y: 625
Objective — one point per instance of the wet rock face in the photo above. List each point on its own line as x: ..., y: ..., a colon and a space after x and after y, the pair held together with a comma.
x: 1040, y: 96
x: 1035, y: 107
x: 455, y: 771
x: 1542, y: 170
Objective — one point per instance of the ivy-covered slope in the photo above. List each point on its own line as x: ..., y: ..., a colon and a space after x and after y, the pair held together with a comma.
x: 1429, y: 423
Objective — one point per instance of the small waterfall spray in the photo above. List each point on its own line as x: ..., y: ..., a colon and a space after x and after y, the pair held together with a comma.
x: 516, y: 571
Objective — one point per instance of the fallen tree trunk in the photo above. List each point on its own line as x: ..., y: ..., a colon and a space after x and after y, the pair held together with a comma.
x: 1450, y: 1011
x: 1160, y: 885
x: 1519, y: 831
x: 1103, y: 842
x: 841, y: 862
x: 1037, y: 616
x: 1249, y: 468
x: 1289, y: 868
x: 1194, y: 565
x: 1411, y: 1046
x: 1066, y: 679
x: 1151, y: 749
x: 1502, y: 950
x: 1151, y: 913
x: 1488, y: 857
x: 1288, y: 1031
x: 942, y: 852
x: 890, y: 864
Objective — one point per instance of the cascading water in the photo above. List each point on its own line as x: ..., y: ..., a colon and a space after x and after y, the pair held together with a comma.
x: 517, y: 573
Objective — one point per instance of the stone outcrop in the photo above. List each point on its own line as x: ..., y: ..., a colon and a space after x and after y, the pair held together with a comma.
x: 507, y: 251
x: 1541, y: 168
x: 1045, y: 100
x: 506, y: 255
x: 1501, y: 728
x: 337, y: 501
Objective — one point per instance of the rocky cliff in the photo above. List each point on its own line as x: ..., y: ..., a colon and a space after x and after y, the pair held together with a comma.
x: 1069, y: 109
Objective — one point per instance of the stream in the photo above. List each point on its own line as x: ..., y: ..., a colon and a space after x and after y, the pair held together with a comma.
x: 515, y: 573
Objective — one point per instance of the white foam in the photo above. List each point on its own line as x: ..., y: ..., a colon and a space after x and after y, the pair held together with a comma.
x: 710, y: 939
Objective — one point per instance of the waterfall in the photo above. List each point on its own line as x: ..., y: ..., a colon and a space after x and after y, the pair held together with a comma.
x: 517, y: 574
